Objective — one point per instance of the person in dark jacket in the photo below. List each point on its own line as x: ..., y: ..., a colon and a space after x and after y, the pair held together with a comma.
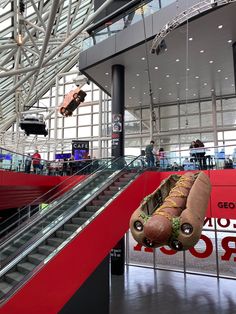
x: 28, y: 161
x: 149, y: 154
x: 201, y: 154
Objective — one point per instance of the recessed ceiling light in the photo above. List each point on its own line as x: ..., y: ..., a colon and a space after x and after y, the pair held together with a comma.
x: 226, y: 78
x: 137, y: 74
x: 177, y: 83
x: 230, y: 41
x: 212, y: 90
x: 167, y: 75
x: 188, y: 69
x: 160, y: 88
x: 154, y: 98
x: 169, y: 94
x: 144, y: 93
x: 219, y: 70
x: 156, y: 68
x: 105, y: 86
x: 177, y: 60
x: 205, y: 84
x: 165, y: 49
x: 186, y: 89
x: 190, y: 38
x: 130, y: 97
x: 143, y: 58
x: 194, y: 94
x: 133, y: 87
x: 107, y: 73
x: 177, y: 98
x: 232, y: 84
x: 220, y: 26
x: 201, y: 51
x: 211, y: 61
x: 197, y: 77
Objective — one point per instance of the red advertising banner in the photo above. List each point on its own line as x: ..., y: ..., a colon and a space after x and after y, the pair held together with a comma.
x: 223, y: 195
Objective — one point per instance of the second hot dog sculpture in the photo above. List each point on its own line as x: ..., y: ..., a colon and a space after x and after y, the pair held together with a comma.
x: 173, y: 214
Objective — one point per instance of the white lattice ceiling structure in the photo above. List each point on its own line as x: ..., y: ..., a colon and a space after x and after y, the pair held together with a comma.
x: 38, y: 39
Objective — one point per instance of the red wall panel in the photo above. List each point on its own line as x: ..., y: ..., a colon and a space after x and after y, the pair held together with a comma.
x: 53, y: 286
x: 20, y: 189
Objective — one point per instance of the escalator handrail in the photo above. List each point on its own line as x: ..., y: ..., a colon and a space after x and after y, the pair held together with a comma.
x: 50, y: 191
x: 40, y: 237
x: 60, y: 199
x: 35, y: 218
x: 62, y: 245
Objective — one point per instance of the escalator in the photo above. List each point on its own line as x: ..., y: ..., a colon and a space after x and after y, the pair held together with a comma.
x: 69, y: 220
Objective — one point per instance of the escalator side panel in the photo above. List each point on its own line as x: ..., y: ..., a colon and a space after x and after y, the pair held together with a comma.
x: 52, y: 287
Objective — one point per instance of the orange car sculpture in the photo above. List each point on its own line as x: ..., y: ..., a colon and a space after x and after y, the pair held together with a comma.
x: 72, y: 101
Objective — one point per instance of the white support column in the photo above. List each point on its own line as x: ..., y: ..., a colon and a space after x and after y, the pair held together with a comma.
x: 56, y: 112
x: 100, y: 126
x: 214, y: 120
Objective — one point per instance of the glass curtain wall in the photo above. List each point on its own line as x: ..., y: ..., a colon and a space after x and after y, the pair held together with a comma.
x: 176, y: 125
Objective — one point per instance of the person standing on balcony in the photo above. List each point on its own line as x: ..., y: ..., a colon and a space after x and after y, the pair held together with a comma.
x: 36, y: 161
x: 28, y: 161
x: 150, y: 154
x: 201, y: 154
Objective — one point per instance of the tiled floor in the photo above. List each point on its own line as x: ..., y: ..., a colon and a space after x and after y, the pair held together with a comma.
x: 148, y: 291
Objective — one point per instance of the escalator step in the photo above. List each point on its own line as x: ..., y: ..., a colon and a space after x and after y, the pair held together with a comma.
x: 113, y: 188
x: 128, y: 175
x: 2, y: 257
x: 54, y: 241
x: 97, y: 202
x: 10, y: 250
x: 4, y: 288
x: 63, y: 234
x: 18, y: 243
x: 70, y: 227
x: 120, y: 183
x: 14, y: 277
x: 124, y: 179
x: 45, y: 249
x: 36, y: 258
x: 86, y: 214
x: 78, y: 220
x: 25, y: 267
x: 92, y: 208
x: 104, y: 197
x: 109, y: 192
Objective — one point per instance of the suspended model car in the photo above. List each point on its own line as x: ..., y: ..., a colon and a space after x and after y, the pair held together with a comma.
x: 173, y: 214
x: 33, y: 124
x: 72, y: 101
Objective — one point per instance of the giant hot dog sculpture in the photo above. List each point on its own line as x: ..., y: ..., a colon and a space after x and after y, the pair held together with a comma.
x: 173, y: 214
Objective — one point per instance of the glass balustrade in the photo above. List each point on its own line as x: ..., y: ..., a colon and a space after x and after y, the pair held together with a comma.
x: 13, y: 161
x: 122, y: 21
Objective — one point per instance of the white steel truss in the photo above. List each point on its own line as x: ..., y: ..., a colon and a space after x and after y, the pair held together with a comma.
x: 36, y: 43
x: 187, y: 14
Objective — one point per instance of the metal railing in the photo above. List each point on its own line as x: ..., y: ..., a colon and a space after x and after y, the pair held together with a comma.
x: 27, y: 212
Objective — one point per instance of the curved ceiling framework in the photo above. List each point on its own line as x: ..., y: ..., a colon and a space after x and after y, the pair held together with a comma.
x: 38, y: 39
x: 193, y: 11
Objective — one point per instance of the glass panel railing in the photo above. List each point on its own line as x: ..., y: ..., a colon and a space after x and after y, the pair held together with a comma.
x: 70, y: 214
x: 122, y: 21
x: 202, y: 158
x: 17, y: 162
